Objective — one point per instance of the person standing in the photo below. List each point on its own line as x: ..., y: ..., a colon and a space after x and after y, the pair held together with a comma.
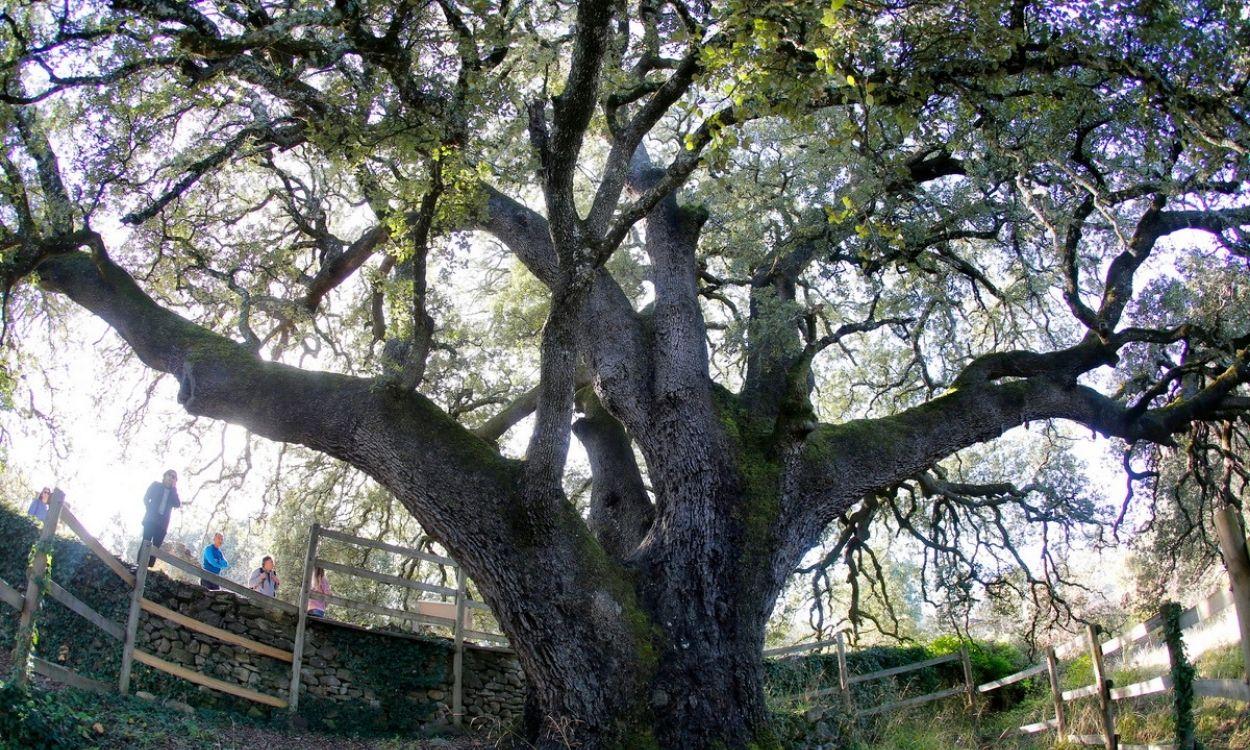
x: 318, y: 593
x: 264, y: 579
x: 39, y: 506
x: 159, y: 503
x: 214, y: 561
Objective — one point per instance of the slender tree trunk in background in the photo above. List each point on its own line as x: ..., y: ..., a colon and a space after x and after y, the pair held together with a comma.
x: 1232, y: 539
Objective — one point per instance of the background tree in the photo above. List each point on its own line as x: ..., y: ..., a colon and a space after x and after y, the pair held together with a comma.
x: 1189, y: 483
x: 792, y: 256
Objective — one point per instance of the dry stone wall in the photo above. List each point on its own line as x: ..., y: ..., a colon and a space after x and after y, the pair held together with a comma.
x: 348, y: 674
x: 352, y: 678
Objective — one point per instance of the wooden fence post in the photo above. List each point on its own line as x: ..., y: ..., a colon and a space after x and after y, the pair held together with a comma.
x: 23, y: 641
x: 132, y: 622
x: 1232, y: 540
x: 1056, y: 691
x: 970, y: 687
x: 844, y: 678
x: 1182, y: 676
x: 1110, y: 740
x: 457, y: 668
x: 297, y: 648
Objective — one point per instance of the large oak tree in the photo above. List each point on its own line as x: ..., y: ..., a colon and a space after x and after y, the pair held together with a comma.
x: 954, y: 201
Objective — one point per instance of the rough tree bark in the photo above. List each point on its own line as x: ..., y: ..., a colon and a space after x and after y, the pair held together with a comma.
x: 643, y: 625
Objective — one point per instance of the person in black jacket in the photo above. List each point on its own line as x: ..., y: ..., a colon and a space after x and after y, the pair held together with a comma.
x: 159, y: 502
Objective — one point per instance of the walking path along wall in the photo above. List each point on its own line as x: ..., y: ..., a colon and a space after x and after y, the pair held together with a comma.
x: 351, y: 677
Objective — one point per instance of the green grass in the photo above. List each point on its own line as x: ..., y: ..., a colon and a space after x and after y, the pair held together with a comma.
x: 1221, y: 724
x: 1220, y: 664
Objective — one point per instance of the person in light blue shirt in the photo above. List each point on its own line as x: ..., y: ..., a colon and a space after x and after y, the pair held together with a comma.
x: 39, y: 506
x: 264, y: 579
x: 214, y: 561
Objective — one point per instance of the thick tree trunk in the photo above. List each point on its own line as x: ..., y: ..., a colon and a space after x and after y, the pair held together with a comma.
x: 660, y: 669
x: 662, y: 650
x: 708, y: 690
x: 701, y: 689
x: 661, y: 655
x: 1231, y: 533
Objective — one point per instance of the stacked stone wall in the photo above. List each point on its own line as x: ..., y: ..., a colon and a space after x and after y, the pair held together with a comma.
x: 352, y: 678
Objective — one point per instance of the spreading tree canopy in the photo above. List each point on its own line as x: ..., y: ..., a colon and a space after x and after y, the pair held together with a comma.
x: 771, y: 264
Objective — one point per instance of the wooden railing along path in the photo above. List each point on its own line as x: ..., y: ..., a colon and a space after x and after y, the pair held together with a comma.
x: 846, y: 679
x: 424, y: 614
x: 1171, y: 620
x: 139, y: 603
x: 39, y: 582
x: 28, y: 604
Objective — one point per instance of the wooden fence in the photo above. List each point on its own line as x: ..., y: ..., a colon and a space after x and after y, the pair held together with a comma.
x: 138, y: 603
x: 38, y: 583
x: 428, y: 612
x: 1171, y: 621
x: 846, y: 679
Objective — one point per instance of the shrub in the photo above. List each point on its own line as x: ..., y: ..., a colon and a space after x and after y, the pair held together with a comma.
x: 33, y: 719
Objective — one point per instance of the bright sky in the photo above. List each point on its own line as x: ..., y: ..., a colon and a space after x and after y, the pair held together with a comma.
x: 104, y: 478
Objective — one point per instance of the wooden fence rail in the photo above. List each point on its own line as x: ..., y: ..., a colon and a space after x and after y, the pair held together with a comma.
x: 78, y: 607
x: 1108, y: 694
x: 190, y: 623
x: 96, y: 548
x: 1170, y: 620
x: 39, y: 583
x: 882, y: 674
x: 800, y: 648
x: 846, y: 680
x: 1023, y: 674
x: 10, y: 595
x: 131, y: 653
x: 459, y: 624
x: 27, y: 605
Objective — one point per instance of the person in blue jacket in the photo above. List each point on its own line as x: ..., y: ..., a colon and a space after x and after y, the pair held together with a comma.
x: 214, y: 561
